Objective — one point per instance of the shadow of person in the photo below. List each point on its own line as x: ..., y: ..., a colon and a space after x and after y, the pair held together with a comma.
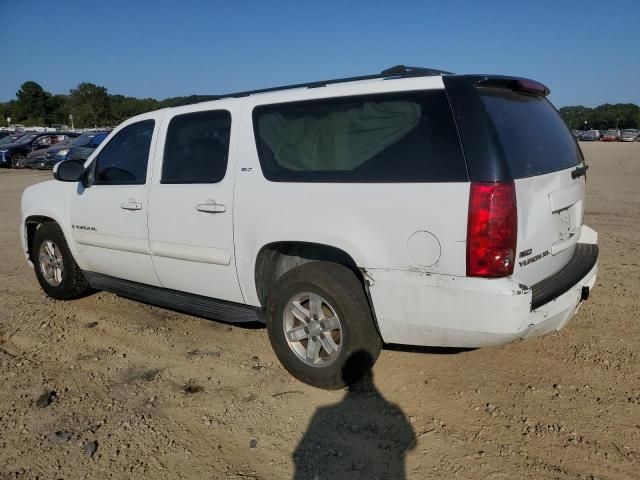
x: 362, y: 437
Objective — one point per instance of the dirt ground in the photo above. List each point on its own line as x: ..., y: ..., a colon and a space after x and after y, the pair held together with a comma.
x: 167, y: 395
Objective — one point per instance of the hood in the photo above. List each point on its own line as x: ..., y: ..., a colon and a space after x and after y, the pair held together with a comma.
x: 52, y: 149
x: 9, y: 146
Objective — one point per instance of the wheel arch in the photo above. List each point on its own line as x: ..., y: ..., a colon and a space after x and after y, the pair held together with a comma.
x: 31, y: 224
x: 277, y: 258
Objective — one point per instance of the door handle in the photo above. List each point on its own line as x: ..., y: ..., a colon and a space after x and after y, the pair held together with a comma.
x: 131, y: 205
x: 210, y: 206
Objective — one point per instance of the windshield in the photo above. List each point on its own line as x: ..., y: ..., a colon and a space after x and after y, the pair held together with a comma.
x: 611, y: 132
x: 82, y: 141
x: 629, y: 130
x: 27, y: 138
x: 532, y: 134
x: 9, y: 139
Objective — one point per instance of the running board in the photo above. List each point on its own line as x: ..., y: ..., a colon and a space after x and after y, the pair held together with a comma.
x: 198, y: 305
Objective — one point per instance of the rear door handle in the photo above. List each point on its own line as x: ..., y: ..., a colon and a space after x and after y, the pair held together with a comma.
x: 210, y: 206
x: 131, y: 205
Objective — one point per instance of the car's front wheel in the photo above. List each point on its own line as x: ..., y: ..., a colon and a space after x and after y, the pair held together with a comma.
x: 318, y: 318
x: 56, y: 270
x: 17, y: 161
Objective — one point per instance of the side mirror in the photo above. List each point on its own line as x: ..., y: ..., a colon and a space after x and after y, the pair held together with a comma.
x: 68, y: 171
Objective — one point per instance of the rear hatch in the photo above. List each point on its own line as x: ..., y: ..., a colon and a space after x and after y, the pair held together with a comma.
x: 511, y: 132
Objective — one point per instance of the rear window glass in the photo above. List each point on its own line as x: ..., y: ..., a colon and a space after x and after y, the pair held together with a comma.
x: 408, y: 137
x: 532, y: 134
x: 197, y: 147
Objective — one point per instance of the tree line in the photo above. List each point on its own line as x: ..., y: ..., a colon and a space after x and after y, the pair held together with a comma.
x: 92, y: 105
x: 619, y: 115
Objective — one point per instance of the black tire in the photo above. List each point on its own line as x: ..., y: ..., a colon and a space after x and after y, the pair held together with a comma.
x: 360, y: 343
x: 73, y: 282
x: 17, y: 161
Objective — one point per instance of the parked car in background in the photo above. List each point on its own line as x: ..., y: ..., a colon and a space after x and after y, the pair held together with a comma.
x: 79, y: 147
x: 14, y: 154
x: 611, y: 135
x: 36, y: 158
x: 589, y: 136
x: 629, y: 135
x: 576, y: 134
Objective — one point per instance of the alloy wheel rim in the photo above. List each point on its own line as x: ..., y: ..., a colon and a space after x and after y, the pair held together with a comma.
x: 312, y: 329
x: 51, y: 263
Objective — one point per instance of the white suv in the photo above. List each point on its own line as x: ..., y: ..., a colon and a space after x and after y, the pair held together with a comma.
x: 413, y: 207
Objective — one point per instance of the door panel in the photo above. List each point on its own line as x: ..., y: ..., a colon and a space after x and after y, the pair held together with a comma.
x: 191, y: 204
x: 109, y: 218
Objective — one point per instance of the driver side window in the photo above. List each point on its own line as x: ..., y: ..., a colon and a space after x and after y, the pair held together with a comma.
x: 123, y: 161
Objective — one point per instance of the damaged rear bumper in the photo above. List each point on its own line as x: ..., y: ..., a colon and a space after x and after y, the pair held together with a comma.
x: 416, y: 308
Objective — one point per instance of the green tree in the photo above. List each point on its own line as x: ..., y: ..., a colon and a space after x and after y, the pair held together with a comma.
x: 125, y: 107
x: 57, y: 109
x: 31, y: 106
x: 90, y: 105
x: 6, y: 110
x: 622, y: 115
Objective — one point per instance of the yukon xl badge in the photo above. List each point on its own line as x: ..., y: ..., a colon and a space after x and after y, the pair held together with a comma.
x: 525, y: 253
x: 535, y: 258
x: 84, y: 227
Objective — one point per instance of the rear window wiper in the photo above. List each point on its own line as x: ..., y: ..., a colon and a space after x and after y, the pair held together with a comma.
x: 580, y: 171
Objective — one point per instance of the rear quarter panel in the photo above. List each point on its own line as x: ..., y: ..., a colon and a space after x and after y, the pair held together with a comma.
x: 371, y: 222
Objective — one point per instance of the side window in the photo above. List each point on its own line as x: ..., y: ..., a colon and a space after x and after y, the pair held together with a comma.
x: 97, y: 140
x: 197, y: 147
x: 123, y: 161
x: 396, y: 137
x: 43, y: 142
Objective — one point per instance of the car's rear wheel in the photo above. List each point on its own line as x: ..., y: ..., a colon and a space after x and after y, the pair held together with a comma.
x: 317, y: 318
x: 17, y: 161
x: 56, y: 270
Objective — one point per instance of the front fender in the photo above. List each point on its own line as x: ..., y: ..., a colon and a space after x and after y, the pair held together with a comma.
x: 48, y: 200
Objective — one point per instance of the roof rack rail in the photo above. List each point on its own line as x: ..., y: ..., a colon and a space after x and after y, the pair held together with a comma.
x: 401, y: 71
x: 404, y: 71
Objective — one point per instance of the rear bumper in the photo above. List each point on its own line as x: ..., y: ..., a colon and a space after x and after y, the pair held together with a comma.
x: 583, y: 261
x: 417, y: 308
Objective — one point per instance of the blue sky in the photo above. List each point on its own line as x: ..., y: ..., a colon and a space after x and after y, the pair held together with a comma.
x: 587, y: 52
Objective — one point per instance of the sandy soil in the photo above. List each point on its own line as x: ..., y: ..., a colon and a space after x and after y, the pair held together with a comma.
x: 166, y: 395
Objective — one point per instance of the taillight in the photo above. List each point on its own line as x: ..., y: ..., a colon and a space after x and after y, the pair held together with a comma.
x: 529, y: 86
x: 492, y: 229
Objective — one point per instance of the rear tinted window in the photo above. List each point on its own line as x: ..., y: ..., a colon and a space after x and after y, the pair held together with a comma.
x: 197, y: 147
x: 408, y: 137
x: 532, y: 134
